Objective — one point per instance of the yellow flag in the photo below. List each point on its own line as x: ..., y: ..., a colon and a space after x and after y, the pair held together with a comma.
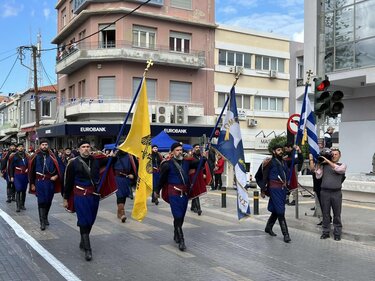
x: 138, y: 143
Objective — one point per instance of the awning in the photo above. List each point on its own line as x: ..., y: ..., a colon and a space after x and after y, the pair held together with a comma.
x: 5, y: 138
x: 21, y: 134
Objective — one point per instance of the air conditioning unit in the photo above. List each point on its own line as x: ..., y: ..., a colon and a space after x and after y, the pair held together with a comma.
x: 236, y: 69
x: 163, y: 114
x: 273, y: 74
x: 180, y: 114
x: 252, y: 122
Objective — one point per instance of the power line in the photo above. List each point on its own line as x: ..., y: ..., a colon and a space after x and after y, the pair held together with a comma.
x: 100, y: 30
x: 52, y: 84
x: 8, y: 57
x: 10, y: 71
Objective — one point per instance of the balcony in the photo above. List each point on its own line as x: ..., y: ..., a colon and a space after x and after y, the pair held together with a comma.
x: 74, y: 59
x: 121, y: 106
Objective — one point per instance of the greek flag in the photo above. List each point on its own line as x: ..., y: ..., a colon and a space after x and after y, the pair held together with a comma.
x: 230, y: 146
x: 307, y: 122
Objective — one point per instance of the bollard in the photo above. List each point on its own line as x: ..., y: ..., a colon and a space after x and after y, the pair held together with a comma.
x: 223, y: 197
x: 256, y: 202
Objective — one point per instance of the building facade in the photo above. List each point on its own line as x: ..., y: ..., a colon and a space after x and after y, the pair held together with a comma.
x: 339, y: 40
x: 102, y: 55
x: 263, y: 87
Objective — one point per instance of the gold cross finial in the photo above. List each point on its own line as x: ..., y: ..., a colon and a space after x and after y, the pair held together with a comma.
x: 309, y: 73
x: 149, y: 64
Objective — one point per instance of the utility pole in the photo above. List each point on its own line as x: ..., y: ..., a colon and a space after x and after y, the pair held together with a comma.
x: 36, y: 98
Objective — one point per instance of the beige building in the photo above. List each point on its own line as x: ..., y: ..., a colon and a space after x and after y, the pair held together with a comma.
x: 263, y: 88
x: 102, y: 54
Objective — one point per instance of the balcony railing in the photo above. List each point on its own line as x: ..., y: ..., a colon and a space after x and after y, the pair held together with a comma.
x: 73, y: 57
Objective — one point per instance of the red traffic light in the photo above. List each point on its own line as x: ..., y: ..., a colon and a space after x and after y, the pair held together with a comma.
x: 323, y: 85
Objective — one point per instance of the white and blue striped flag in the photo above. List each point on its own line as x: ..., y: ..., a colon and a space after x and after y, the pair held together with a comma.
x: 307, y: 121
x: 231, y: 147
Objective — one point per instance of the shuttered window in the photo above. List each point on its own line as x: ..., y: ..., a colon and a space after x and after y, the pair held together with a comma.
x: 107, y: 88
x: 183, y: 4
x: 180, y: 91
x: 151, y: 87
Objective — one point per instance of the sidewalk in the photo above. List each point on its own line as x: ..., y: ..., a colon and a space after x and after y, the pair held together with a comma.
x: 358, y: 213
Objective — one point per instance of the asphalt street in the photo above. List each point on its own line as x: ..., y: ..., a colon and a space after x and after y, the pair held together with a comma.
x: 219, y: 247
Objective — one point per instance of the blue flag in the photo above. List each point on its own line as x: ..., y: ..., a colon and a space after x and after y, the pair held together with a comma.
x: 231, y: 147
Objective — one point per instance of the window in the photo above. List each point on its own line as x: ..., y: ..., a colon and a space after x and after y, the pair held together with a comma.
x: 179, y: 42
x: 269, y: 63
x: 81, y: 89
x: 107, y: 37
x: 268, y: 104
x: 46, y: 108
x: 63, y: 17
x: 72, y: 93
x: 231, y: 58
x: 183, y: 4
x: 144, y: 37
x: 180, y: 91
x: 151, y: 87
x: 62, y: 96
x: 242, y: 101
x: 107, y: 88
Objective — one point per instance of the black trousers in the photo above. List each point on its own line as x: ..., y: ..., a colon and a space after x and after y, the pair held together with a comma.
x: 218, y: 181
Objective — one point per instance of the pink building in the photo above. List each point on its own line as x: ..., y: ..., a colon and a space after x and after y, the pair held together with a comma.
x: 103, y: 49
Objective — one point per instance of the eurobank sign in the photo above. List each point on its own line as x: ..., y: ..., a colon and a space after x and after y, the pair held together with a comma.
x: 79, y: 129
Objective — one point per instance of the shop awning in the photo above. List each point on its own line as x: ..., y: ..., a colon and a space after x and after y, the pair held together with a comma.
x: 5, y: 138
x: 21, y: 134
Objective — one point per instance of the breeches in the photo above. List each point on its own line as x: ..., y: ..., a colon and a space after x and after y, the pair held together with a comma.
x: 86, y: 208
x: 178, y: 205
x: 45, y: 190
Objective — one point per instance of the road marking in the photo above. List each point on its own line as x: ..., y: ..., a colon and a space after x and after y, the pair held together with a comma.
x: 129, y: 224
x: 175, y: 250
x: 231, y: 274
x: 71, y: 220
x: 210, y: 220
x: 358, y: 206
x: 31, y: 227
x: 54, y: 262
x: 168, y: 219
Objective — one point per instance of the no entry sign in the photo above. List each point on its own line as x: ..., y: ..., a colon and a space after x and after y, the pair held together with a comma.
x: 293, y: 123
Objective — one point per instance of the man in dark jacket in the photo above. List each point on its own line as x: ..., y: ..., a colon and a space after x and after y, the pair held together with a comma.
x: 276, y: 182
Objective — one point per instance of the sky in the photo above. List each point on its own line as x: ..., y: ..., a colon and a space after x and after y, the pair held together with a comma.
x: 22, y: 20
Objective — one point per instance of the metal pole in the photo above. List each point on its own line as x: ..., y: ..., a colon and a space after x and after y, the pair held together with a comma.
x: 223, y: 197
x: 256, y: 202
x: 36, y: 98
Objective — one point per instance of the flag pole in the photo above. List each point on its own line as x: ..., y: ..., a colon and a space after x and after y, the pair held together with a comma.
x: 149, y: 64
x: 214, y: 129
x: 298, y: 138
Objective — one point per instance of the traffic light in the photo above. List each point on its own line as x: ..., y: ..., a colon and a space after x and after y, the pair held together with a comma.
x: 322, y: 97
x: 336, y: 106
x: 327, y: 102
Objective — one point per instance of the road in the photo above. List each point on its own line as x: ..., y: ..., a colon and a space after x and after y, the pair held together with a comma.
x: 219, y: 247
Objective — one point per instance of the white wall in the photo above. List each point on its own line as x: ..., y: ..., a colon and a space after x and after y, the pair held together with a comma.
x: 357, y: 145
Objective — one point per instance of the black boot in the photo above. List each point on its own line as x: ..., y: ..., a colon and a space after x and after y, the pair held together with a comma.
x: 284, y: 229
x: 18, y: 202
x: 47, y: 211
x: 81, y: 246
x: 23, y: 198
x: 193, y: 206
x: 176, y: 238
x: 42, y: 213
x: 9, y: 194
x: 87, y: 246
x: 270, y: 223
x: 198, y: 206
x: 181, y: 244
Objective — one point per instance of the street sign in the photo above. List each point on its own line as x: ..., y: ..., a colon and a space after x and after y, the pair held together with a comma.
x: 293, y: 123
